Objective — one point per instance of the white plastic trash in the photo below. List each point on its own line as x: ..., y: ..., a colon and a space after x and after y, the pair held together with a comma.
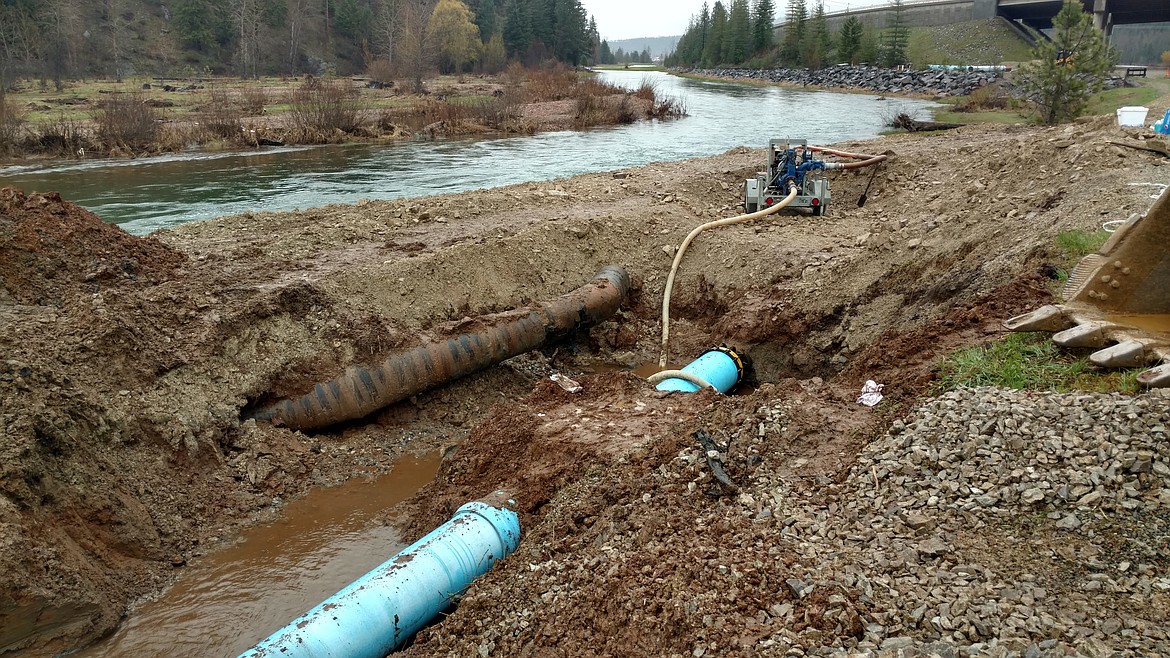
x: 1134, y: 115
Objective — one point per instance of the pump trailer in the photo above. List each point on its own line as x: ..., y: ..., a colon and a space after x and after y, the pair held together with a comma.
x: 790, y: 160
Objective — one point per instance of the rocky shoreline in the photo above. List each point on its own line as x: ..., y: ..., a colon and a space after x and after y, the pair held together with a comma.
x: 870, y: 78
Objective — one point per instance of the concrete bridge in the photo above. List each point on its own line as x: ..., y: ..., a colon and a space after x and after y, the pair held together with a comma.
x: 1037, y: 14
x: 1106, y: 13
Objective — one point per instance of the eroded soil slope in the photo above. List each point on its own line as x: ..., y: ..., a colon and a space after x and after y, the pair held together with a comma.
x: 127, y: 363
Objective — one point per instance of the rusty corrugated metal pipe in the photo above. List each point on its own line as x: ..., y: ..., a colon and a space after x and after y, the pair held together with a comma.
x: 362, y: 391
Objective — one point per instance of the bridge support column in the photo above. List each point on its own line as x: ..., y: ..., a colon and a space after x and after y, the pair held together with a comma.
x: 1102, y: 18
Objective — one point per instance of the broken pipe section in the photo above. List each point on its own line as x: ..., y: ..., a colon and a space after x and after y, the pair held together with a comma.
x: 383, y: 609
x: 362, y: 391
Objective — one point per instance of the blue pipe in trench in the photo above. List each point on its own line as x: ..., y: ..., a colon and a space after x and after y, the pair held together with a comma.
x: 721, y: 367
x: 383, y: 609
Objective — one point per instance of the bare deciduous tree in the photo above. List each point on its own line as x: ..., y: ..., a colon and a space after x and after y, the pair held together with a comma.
x: 296, y: 28
x: 413, y: 49
x: 248, y: 16
x: 385, y: 29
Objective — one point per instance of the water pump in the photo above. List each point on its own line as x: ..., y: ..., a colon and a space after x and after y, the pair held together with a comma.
x: 790, y: 160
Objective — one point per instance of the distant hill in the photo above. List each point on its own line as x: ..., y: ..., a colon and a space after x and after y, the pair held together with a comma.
x: 659, y: 46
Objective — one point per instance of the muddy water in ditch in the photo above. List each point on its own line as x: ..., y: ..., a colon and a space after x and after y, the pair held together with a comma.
x: 225, y: 603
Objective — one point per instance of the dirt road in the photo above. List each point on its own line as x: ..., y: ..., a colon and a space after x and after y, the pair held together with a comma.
x: 127, y: 362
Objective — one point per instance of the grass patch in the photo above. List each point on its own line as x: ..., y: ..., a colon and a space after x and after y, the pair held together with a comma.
x: 1076, y: 244
x: 1030, y: 361
x: 966, y: 43
x: 1109, y: 100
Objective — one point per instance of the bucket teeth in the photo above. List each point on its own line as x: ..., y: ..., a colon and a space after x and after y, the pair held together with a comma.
x: 1090, y: 334
x: 1127, y: 354
x: 1045, y: 318
x: 1156, y: 377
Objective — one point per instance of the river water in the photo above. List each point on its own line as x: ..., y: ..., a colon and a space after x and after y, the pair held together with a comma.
x: 147, y: 194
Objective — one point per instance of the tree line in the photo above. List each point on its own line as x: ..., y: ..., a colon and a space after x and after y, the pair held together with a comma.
x: 737, y: 33
x: 68, y: 39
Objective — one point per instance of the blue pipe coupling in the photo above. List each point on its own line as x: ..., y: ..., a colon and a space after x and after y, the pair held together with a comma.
x: 383, y: 609
x: 722, y: 367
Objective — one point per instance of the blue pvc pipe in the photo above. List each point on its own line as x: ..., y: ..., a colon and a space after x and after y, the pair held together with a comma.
x: 715, y: 367
x: 380, y: 611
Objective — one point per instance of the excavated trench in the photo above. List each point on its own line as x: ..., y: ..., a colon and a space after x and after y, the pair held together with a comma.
x: 130, y: 363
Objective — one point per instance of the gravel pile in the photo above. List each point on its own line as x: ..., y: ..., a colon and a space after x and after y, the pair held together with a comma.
x: 997, y: 522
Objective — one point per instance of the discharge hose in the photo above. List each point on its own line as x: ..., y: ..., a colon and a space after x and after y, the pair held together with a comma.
x: 739, y: 219
x: 865, y: 160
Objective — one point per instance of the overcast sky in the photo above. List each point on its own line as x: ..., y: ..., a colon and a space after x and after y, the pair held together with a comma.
x: 630, y: 19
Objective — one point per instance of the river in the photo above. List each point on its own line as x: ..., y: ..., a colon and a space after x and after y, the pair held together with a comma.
x: 146, y: 194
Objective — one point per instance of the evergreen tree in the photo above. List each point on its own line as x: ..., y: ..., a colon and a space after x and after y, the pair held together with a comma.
x: 486, y: 18
x: 896, y: 37
x: 517, y: 28
x: 794, y: 29
x: 353, y: 20
x: 818, y: 39
x: 713, y: 49
x: 763, y: 22
x: 540, y: 16
x: 870, y: 48
x: 849, y: 40
x: 607, y: 54
x: 737, y: 40
x: 1068, y: 69
x: 194, y: 20
x: 569, y: 36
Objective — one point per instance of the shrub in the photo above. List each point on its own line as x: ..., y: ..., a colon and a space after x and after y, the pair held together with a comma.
x: 381, y: 71
x: 220, y: 118
x: 63, y: 137
x: 323, y: 110
x: 126, y: 122
x: 987, y: 97
x: 12, y: 119
x: 252, y: 100
x: 554, y: 83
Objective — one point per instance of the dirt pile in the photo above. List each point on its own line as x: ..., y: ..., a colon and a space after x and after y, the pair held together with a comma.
x: 51, y: 250
x: 124, y: 456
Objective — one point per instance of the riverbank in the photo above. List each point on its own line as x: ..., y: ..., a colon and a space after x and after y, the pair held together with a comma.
x: 129, y: 361
x: 151, y: 116
x: 863, y: 78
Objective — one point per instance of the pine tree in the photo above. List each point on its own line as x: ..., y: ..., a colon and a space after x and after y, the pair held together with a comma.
x: 763, y: 22
x: 820, y: 41
x: 849, y: 40
x: 713, y: 49
x: 1061, y: 86
x: 517, y: 28
x: 569, y: 36
x: 896, y: 37
x: 737, y: 40
x: 485, y: 17
x: 794, y: 29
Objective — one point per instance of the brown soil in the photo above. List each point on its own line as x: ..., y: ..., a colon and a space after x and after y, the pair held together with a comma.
x: 127, y: 362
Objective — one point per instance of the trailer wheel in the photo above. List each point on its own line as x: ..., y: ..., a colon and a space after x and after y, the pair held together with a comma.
x: 818, y: 210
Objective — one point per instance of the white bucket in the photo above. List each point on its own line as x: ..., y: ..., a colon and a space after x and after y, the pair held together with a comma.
x: 1132, y: 116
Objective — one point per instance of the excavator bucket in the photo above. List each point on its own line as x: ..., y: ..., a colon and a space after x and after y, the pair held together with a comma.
x: 1117, y: 300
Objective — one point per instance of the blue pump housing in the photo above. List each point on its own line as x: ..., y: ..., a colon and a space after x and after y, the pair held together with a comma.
x: 383, y: 609
x: 721, y: 368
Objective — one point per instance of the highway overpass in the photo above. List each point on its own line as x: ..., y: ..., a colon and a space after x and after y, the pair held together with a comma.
x: 1106, y: 13
x: 1037, y: 14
